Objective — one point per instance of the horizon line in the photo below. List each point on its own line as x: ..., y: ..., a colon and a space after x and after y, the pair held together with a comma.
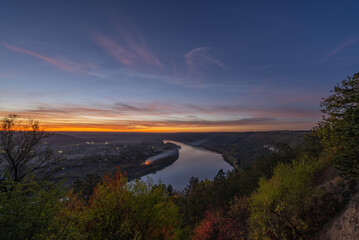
x: 65, y: 131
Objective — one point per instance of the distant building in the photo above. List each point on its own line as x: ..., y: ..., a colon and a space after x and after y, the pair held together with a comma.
x: 270, y: 148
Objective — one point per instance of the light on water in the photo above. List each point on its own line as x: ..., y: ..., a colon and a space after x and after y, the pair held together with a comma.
x: 192, y: 162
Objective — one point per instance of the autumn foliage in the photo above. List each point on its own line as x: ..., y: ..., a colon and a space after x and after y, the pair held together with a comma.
x: 118, y: 210
x: 216, y: 225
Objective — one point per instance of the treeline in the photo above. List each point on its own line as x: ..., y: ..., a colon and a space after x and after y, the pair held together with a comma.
x: 294, y: 193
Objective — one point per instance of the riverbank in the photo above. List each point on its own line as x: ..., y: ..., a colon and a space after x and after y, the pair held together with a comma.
x: 152, y: 167
x: 232, y: 163
x: 193, y: 161
x: 103, y: 158
x: 241, y: 149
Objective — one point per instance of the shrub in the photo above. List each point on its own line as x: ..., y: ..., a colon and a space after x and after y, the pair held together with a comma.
x: 217, y: 225
x: 118, y: 210
x: 26, y: 209
x: 281, y: 206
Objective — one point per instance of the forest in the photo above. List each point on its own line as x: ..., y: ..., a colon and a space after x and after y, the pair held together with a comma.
x: 303, y: 191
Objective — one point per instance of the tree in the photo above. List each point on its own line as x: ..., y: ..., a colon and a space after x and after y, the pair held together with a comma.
x: 217, y: 225
x: 117, y: 210
x: 27, y: 211
x: 239, y: 210
x: 339, y: 129
x: 21, y: 150
x: 191, y: 186
x: 86, y: 186
x: 282, y: 207
x: 154, y: 214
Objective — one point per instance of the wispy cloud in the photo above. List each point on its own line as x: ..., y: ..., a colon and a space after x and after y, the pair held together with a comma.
x: 136, y: 42
x: 199, y: 57
x: 99, y: 119
x: 169, y: 110
x: 66, y: 65
x: 341, y: 47
x: 114, y: 49
x: 153, y: 116
x: 128, y: 48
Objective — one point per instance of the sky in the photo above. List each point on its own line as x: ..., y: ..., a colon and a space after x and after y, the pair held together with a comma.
x: 174, y: 66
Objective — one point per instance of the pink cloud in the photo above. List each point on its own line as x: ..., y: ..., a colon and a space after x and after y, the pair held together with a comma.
x: 149, y: 115
x: 114, y: 49
x: 139, y: 47
x: 131, y: 51
x: 68, y: 116
x: 341, y: 47
x: 172, y: 112
x: 69, y: 66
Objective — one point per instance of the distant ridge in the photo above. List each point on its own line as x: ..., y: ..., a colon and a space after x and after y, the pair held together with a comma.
x: 62, y: 139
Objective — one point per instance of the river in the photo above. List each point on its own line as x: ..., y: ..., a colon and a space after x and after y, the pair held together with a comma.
x: 191, y: 162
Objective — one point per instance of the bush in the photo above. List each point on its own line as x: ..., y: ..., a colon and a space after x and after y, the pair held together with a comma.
x: 118, y: 210
x: 217, y: 225
x: 26, y: 210
x: 281, y: 207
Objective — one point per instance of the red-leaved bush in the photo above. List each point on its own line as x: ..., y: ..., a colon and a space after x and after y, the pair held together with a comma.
x: 216, y: 225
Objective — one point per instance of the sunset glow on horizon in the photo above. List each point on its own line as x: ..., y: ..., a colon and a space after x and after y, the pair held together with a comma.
x: 166, y: 67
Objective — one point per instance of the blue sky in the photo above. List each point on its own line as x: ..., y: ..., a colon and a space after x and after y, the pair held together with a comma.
x: 174, y: 65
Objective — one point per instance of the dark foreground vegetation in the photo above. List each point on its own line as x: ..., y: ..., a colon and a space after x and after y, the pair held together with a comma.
x: 307, y: 191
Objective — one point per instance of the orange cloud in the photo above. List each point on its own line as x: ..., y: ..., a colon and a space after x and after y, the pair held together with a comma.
x: 157, y: 117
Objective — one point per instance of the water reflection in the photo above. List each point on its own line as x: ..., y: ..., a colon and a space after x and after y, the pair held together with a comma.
x: 192, y: 162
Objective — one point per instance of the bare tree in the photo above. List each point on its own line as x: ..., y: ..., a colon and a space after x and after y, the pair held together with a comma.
x: 21, y: 152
